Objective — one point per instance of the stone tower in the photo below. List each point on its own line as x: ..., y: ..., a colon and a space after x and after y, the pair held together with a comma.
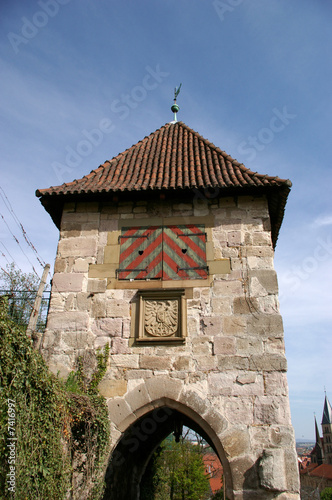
x: 166, y: 253
x: 327, y: 431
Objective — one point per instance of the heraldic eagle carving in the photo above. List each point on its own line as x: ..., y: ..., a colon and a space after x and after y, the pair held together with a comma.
x: 161, y: 317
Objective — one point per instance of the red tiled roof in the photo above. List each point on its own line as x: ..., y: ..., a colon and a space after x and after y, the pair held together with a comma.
x: 323, y: 471
x: 173, y: 158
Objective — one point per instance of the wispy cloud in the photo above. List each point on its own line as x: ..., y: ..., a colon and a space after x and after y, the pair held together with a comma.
x: 323, y: 220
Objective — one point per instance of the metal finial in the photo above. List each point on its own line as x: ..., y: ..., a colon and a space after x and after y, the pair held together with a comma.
x: 175, y: 108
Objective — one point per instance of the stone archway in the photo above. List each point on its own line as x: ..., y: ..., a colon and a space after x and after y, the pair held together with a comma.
x: 142, y: 423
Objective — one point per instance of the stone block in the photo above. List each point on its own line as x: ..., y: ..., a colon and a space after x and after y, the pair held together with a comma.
x: 249, y: 345
x: 120, y: 346
x: 292, y: 471
x: 244, y: 473
x: 245, y: 305
x: 159, y: 387
x: 246, y: 378
x: 112, y: 254
x: 107, y: 327
x: 268, y: 362
x: 276, y: 384
x: 183, y: 363
x: 239, y: 410
x: 155, y: 362
x: 234, y: 325
x: 227, y: 288
x: 138, y: 374
x: 265, y: 324
x: 67, y: 282
x: 98, y: 307
x: 112, y: 388
x: 261, y: 238
x: 77, y: 247
x: 232, y: 362
x: 68, y: 321
x: 201, y: 345
x: 138, y: 397
x: 267, y: 278
x: 211, y: 325
x: 236, y: 443
x: 81, y: 266
x: 60, y: 265
x: 265, y: 413
x: 117, y: 308
x: 222, y: 306
x: 206, y: 363
x: 97, y: 285
x: 224, y: 345
x: 125, y: 360
x: 221, y: 384
x: 101, y: 342
x: 120, y: 413
x: 272, y: 471
x: 77, y: 339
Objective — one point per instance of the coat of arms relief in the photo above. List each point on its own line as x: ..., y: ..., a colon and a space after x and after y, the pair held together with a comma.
x: 161, y: 316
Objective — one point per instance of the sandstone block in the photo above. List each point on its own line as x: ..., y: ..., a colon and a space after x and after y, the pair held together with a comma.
x: 138, y: 397
x: 120, y: 346
x: 101, y: 342
x: 117, y: 308
x: 112, y: 388
x: 201, y: 345
x: 234, y: 325
x: 212, y: 325
x: 265, y: 324
x: 98, y: 307
x: 224, y: 345
x: 236, y: 442
x: 268, y: 362
x: 107, y: 327
x: 125, y: 360
x: 68, y: 282
x: 97, y: 285
x: 227, y: 288
x: 73, y: 321
x: 81, y: 266
x: 159, y: 387
x: 272, y: 471
x: 120, y: 413
x: 222, y: 306
x: 155, y: 362
x: 183, y: 363
x: 249, y: 345
x: 276, y: 384
x: 232, y: 362
x: 78, y: 340
x: 77, y: 247
x: 60, y: 265
x: 245, y: 305
x: 244, y: 473
x: 267, y: 278
x: 239, y: 410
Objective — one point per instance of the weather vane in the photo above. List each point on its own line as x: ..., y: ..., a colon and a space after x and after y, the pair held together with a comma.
x: 175, y: 108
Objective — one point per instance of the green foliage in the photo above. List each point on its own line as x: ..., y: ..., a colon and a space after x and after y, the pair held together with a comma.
x: 177, y: 473
x: 21, y: 291
x: 326, y: 494
x: 62, y: 436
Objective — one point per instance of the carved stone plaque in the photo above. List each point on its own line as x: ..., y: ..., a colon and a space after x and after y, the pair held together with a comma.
x: 161, y: 315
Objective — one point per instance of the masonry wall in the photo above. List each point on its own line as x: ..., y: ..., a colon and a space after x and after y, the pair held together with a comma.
x: 233, y: 356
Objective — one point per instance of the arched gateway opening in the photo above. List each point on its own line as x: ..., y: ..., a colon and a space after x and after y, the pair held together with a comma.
x: 130, y: 457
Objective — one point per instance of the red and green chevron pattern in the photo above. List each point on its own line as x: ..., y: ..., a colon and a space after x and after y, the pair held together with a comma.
x: 168, y: 253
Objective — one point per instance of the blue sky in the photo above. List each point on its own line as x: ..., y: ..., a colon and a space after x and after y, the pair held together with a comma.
x: 82, y: 81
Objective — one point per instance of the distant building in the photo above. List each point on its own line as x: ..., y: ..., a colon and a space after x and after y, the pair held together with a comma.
x: 322, y: 451
x: 318, y: 475
x: 214, y: 470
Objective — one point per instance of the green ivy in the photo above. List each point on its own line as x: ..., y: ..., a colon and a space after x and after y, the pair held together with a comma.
x: 62, y: 430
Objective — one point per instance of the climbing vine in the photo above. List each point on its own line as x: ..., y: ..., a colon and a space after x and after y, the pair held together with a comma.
x: 53, y: 436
